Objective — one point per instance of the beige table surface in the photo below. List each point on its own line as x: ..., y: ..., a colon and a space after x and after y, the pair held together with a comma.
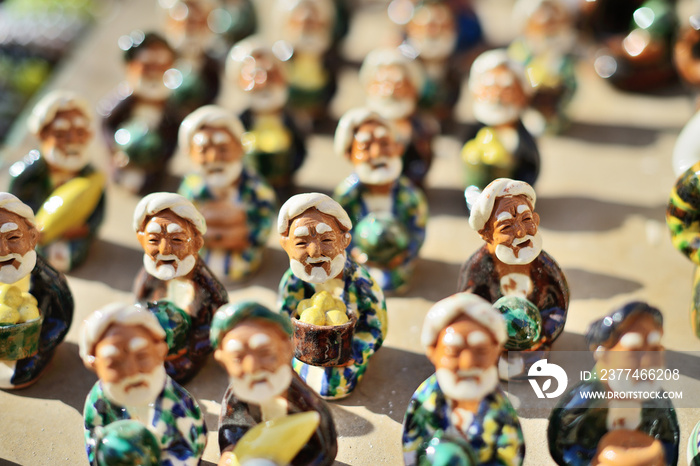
x: 602, y: 193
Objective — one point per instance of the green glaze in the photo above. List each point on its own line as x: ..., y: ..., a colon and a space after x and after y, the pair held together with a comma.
x: 174, y: 321
x: 443, y: 450
x: 126, y: 443
x: 19, y: 341
x: 381, y: 237
x: 523, y: 321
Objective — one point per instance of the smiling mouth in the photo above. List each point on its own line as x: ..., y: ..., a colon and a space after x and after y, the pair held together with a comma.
x: 8, y: 262
x: 525, y: 244
x: 166, y: 262
x: 130, y: 387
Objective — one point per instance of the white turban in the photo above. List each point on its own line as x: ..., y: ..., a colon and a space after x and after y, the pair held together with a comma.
x: 158, y: 202
x: 502, y: 187
x: 11, y: 203
x: 297, y: 205
x: 56, y: 101
x: 348, y: 124
x: 446, y: 311
x: 387, y: 57
x: 97, y: 323
x: 209, y: 115
x: 491, y: 60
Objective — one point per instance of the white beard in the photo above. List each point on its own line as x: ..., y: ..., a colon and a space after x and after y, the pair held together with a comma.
x: 318, y: 274
x: 390, y: 108
x: 525, y: 255
x: 269, y: 385
x: 168, y: 272
x: 74, y: 162
x: 269, y: 99
x: 9, y: 274
x: 152, y: 89
x: 494, y: 114
x: 137, y: 396
x: 228, y: 174
x: 435, y: 48
x: 368, y: 174
x: 470, y: 389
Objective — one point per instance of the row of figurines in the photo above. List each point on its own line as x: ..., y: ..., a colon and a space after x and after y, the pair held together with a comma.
x: 322, y: 285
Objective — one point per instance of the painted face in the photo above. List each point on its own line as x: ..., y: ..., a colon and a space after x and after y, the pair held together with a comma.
x: 637, y: 347
x: 391, y: 93
x: 511, y: 231
x: 261, y: 77
x: 129, y: 363
x: 187, y: 25
x: 432, y: 31
x: 145, y: 72
x: 17, y: 242
x: 498, y: 96
x: 64, y: 140
x: 549, y: 28
x: 316, y: 246
x: 465, y: 357
x: 170, y: 244
x: 256, y: 355
x: 308, y: 27
x: 219, y: 154
x: 375, y: 154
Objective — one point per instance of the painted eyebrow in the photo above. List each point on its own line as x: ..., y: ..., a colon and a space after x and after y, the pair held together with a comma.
x: 258, y: 340
x: 477, y: 338
x: 233, y: 345
x: 654, y: 337
x: 9, y: 226
x: 323, y: 228
x: 380, y: 132
x: 201, y: 138
x: 301, y: 231
x: 60, y: 123
x: 137, y: 343
x: 153, y: 227
x: 220, y: 137
x: 174, y: 228
x: 453, y: 339
x: 108, y: 351
x: 522, y: 208
x: 504, y: 216
x: 632, y: 340
x: 363, y: 136
x: 80, y: 122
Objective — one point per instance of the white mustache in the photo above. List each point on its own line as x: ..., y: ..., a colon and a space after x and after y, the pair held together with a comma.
x: 469, y: 373
x: 167, y: 257
x: 317, y: 260
x: 518, y: 241
x: 14, y: 256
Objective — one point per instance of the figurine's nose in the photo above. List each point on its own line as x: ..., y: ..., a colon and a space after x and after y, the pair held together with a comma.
x: 375, y: 149
x: 250, y: 364
x: 313, y: 248
x: 164, y: 247
x: 466, y: 360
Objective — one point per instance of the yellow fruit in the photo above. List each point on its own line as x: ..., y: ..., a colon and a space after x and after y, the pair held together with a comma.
x: 303, y: 305
x: 28, y: 298
x: 336, y: 317
x: 69, y: 205
x: 314, y: 316
x: 323, y: 300
x: 340, y: 305
x: 11, y: 295
x: 8, y: 315
x: 28, y: 312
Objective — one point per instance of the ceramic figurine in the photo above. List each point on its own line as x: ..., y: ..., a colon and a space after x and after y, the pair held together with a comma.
x: 237, y: 204
x: 36, y: 305
x: 635, y: 430
x: 464, y: 334
x: 125, y: 345
x: 512, y: 271
x: 682, y: 220
x: 254, y: 345
x: 388, y: 211
x: 686, y: 151
x: 693, y: 450
x: 331, y: 358
x: 500, y: 146
x: 274, y: 145
x: 686, y: 57
x: 393, y: 84
x: 189, y: 30
x: 432, y: 35
x: 139, y: 120
x: 636, y: 41
x: 61, y: 169
x: 171, y: 230
x: 544, y: 50
x: 305, y: 29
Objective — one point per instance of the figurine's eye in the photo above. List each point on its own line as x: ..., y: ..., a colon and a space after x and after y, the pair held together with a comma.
x: 327, y: 240
x: 153, y: 240
x: 301, y: 244
x: 177, y: 240
x: 14, y: 237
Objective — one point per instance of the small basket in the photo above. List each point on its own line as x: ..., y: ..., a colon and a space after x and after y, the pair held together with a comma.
x: 323, y: 345
x: 19, y: 341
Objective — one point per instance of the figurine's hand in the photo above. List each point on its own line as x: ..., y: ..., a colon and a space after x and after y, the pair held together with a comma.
x: 227, y: 458
x: 624, y: 446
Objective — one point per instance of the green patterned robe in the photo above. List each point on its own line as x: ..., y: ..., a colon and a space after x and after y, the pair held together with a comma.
x: 683, y: 219
x: 259, y: 200
x: 362, y: 296
x: 408, y: 206
x: 177, y: 423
